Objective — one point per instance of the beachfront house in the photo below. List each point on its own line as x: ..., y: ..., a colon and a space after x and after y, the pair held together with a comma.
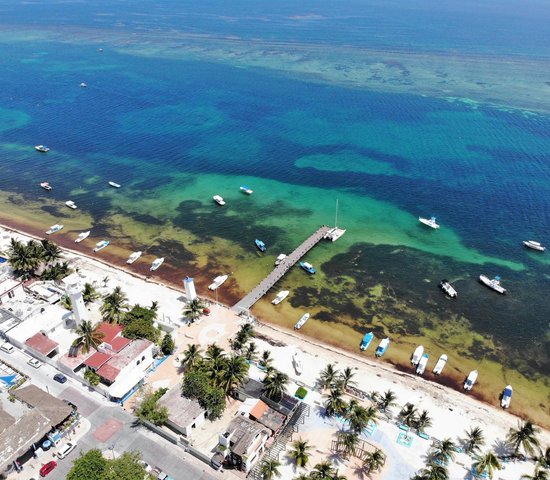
x: 184, y: 414
x: 11, y: 290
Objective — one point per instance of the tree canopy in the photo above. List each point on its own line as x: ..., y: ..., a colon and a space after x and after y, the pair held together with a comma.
x: 93, y: 466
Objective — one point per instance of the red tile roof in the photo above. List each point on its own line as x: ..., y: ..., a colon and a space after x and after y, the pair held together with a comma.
x: 97, y: 360
x: 109, y: 331
x: 119, y: 343
x: 42, y: 344
x: 258, y: 410
x: 108, y: 372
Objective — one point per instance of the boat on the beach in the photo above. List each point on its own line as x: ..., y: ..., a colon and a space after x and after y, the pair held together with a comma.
x: 506, y: 397
x: 429, y: 222
x: 261, y: 245
x: 83, y: 85
x: 367, y: 339
x: 440, y: 364
x: 157, y: 262
x: 534, y: 245
x: 42, y: 148
x: 217, y: 282
x: 101, y: 245
x: 300, y: 323
x: 280, y: 297
x: 132, y: 258
x: 493, y: 283
x: 471, y: 380
x: 71, y: 204
x: 219, y: 200
x: 46, y: 186
x: 308, y: 267
x: 114, y: 184
x: 382, y: 347
x: 448, y: 288
x: 417, y: 355
x: 297, y: 363
x: 54, y: 228
x: 280, y: 258
x: 422, y: 364
x: 245, y: 189
x: 82, y: 236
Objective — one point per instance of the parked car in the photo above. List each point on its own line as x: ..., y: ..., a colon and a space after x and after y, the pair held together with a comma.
x: 47, y: 468
x: 65, y: 450
x: 7, y: 347
x: 59, y: 377
x: 164, y: 476
x: 33, y: 362
x: 148, y: 468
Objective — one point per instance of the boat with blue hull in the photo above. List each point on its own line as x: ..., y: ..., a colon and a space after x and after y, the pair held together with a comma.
x: 367, y: 339
x: 261, y: 245
x: 382, y: 347
x: 308, y: 267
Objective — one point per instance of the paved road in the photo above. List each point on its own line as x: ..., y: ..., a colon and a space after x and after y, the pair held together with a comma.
x: 112, y: 428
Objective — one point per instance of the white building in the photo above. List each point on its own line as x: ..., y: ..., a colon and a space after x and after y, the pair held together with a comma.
x: 11, y: 290
x: 190, y: 292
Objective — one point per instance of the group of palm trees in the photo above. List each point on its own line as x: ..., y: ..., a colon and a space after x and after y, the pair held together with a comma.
x: 269, y: 469
x: 29, y: 259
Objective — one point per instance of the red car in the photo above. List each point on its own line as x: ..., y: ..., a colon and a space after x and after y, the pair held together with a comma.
x: 47, y: 468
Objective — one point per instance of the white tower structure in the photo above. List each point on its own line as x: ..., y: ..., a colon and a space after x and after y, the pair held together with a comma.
x: 190, y: 291
x: 74, y: 291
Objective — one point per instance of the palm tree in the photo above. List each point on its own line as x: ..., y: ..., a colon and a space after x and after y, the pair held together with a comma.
x: 423, y: 421
x: 474, y: 440
x: 385, y: 401
x: 275, y: 385
x: 433, y: 472
x: 246, y: 331
x: 374, y: 461
x: 154, y: 306
x: 191, y: 356
x: 50, y: 252
x: 335, y: 404
x: 89, y: 293
x: 214, y: 352
x: 540, y: 474
x: 300, y: 452
x: 322, y: 471
x: 524, y: 436
x: 114, y: 305
x: 544, y: 458
x: 234, y: 373
x: 328, y: 376
x: 408, y: 414
x: 349, y: 442
x: 488, y: 463
x: 359, y: 416
x: 56, y: 272
x: 265, y: 359
x: 269, y: 469
x: 24, y: 259
x: 88, y: 336
x: 193, y: 310
x: 445, y: 451
x: 251, y: 352
x: 345, y: 378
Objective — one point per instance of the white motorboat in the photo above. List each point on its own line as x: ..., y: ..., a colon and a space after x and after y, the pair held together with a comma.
x: 506, y: 397
x: 245, y: 189
x: 101, y: 245
x: 534, y: 245
x: 54, y: 228
x: 83, y: 85
x: 71, y: 204
x: 82, y: 236
x: 417, y: 355
x: 42, y: 148
x: 422, y: 364
x: 156, y: 263
x: 300, y: 323
x: 217, y: 282
x: 132, y: 258
x: 471, y: 380
x: 46, y: 186
x: 440, y: 364
x: 493, y: 283
x: 280, y: 297
x: 297, y: 363
x: 448, y: 288
x: 114, y: 185
x: 280, y: 258
x: 429, y: 222
x: 219, y: 200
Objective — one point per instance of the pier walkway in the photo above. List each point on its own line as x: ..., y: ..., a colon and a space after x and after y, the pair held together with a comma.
x: 277, y: 273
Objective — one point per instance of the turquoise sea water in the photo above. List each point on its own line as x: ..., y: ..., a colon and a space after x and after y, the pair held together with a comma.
x: 175, y: 130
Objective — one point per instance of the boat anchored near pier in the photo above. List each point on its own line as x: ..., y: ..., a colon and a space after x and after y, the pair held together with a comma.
x: 217, y: 282
x: 300, y: 323
x: 280, y: 297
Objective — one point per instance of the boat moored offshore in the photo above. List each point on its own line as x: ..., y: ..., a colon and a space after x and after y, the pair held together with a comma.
x: 440, y: 364
x: 381, y: 349
x: 114, y: 185
x: 54, y: 228
x: 133, y: 257
x: 46, y: 186
x: 217, y: 282
x: 280, y: 297
x: 101, y: 245
x: 245, y: 189
x: 219, y: 200
x: 42, y: 148
x: 82, y: 236
x: 367, y: 339
x: 261, y: 245
x: 71, y: 204
x: 300, y: 323
x: 417, y: 355
x: 308, y: 267
x: 157, y: 262
x: 422, y: 364
x: 448, y: 288
x: 534, y: 245
x: 471, y: 380
x: 493, y: 283
x: 429, y: 222
x: 506, y: 397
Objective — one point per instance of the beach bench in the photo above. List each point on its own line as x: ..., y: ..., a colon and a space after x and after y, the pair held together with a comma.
x: 423, y: 435
x: 403, y: 427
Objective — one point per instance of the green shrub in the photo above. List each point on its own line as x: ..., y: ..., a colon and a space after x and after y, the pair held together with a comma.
x: 301, y: 393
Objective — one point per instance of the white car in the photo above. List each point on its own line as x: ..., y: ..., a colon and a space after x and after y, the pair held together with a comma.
x: 65, y: 450
x: 33, y: 362
x: 148, y: 468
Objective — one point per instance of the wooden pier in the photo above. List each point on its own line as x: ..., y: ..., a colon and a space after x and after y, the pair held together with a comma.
x: 278, y: 272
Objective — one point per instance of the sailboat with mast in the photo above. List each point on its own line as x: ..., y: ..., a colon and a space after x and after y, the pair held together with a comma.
x: 335, y: 233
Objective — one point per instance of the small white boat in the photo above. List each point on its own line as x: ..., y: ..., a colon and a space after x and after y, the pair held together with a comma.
x: 101, y: 245
x: 42, y: 148
x: 132, y: 258
x: 534, y: 245
x: 83, y: 85
x: 219, y: 200
x: 440, y: 364
x: 493, y: 284
x: 297, y: 363
x: 46, y: 186
x: 280, y: 297
x: 422, y: 364
x: 471, y: 380
x: 82, y: 236
x: 334, y: 234
x: 245, y: 189
x: 448, y: 288
x: 506, y: 397
x: 300, y: 323
x: 217, y: 282
x: 280, y: 258
x: 156, y: 263
x: 417, y: 355
x: 114, y: 185
x: 382, y: 347
x: 71, y: 204
x: 429, y: 222
x: 54, y: 228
